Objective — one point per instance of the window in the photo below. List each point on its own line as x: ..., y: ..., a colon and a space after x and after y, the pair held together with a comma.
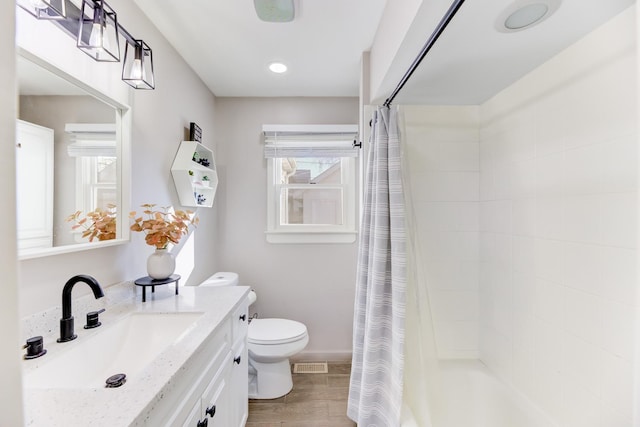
x: 311, y: 189
x: 94, y: 148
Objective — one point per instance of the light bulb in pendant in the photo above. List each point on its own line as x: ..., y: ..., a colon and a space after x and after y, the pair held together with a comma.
x: 137, y: 72
x: 95, y: 39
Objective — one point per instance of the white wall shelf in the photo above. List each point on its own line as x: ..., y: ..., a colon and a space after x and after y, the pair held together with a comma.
x: 194, y: 174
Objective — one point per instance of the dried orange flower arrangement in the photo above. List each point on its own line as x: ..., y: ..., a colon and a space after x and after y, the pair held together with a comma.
x: 98, y: 224
x: 162, y: 226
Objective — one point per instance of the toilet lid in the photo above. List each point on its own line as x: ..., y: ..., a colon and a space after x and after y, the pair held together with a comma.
x: 275, y: 331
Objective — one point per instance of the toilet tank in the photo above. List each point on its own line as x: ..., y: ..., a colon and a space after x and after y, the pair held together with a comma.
x: 222, y: 278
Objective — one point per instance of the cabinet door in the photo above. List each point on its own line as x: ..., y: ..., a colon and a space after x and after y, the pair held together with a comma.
x: 239, y: 384
x: 34, y: 185
x: 215, y: 399
x: 194, y: 416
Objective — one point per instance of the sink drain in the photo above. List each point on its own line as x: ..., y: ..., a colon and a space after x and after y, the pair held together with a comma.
x: 116, y: 380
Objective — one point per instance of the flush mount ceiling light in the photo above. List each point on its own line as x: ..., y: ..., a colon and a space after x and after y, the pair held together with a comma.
x: 277, y: 67
x: 98, y: 31
x: 275, y: 10
x: 45, y: 9
x: 525, y: 14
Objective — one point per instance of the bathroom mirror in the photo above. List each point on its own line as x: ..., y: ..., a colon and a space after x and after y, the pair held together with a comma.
x: 72, y: 151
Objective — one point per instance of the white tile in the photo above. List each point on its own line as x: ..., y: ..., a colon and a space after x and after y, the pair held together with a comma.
x: 581, y: 407
x: 455, y: 305
x: 584, y: 316
x: 458, y: 335
x: 617, y: 383
x: 524, y: 254
x: 620, y: 165
x: 618, y: 334
x: 447, y: 216
x: 486, y: 185
x: 421, y: 154
x: 582, y: 363
x: 549, y: 257
x: 613, y: 417
x: 458, y: 156
x: 583, y: 268
x: 502, y: 182
x: 583, y: 169
x: 524, y: 217
x: 496, y: 216
x: 582, y: 221
x: 549, y: 302
x: 549, y: 340
x: 452, y: 274
x: 548, y: 390
x: 619, y: 219
x: 446, y: 186
x: 549, y: 214
x: 551, y: 175
x: 619, y: 274
x: 524, y: 293
x: 523, y: 179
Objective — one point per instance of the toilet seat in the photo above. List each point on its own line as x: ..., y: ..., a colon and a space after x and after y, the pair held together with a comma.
x: 275, y: 331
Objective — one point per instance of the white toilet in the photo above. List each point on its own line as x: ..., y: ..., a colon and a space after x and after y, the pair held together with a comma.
x: 271, y: 342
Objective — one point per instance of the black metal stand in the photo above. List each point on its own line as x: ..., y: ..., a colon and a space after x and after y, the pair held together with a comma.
x: 148, y: 281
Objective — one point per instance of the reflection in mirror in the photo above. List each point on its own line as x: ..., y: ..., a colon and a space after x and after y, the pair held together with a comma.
x: 66, y: 161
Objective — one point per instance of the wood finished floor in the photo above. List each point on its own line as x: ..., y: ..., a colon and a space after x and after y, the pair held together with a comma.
x: 317, y: 400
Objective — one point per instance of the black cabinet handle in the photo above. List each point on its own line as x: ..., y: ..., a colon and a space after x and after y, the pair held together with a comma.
x: 243, y: 317
x: 203, y: 423
x: 211, y: 411
x: 237, y: 360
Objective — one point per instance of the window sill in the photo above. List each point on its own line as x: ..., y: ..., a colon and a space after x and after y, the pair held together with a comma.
x: 305, y: 237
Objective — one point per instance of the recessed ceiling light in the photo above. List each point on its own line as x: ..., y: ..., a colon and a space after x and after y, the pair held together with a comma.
x: 277, y: 67
x: 525, y: 14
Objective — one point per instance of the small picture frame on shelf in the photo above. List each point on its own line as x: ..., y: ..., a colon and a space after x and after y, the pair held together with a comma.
x: 195, y: 133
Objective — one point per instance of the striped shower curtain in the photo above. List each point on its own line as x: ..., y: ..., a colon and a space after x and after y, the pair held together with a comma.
x: 375, y: 390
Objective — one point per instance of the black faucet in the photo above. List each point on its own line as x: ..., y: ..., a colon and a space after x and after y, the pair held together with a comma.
x: 66, y: 323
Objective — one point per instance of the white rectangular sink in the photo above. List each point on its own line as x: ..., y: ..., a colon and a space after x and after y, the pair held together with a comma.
x: 126, y: 347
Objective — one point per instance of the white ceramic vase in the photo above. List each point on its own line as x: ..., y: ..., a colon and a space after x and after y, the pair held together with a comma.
x: 161, y: 264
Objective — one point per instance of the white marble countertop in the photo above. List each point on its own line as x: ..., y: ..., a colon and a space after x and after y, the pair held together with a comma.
x: 130, y: 404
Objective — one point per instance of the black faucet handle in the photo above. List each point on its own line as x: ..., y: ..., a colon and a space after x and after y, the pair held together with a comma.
x: 93, y: 320
x: 35, y: 348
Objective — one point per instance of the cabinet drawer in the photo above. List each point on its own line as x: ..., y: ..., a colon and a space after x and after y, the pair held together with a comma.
x: 240, y: 322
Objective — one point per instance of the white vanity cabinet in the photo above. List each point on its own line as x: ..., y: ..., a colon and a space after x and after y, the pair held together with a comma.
x: 213, y: 389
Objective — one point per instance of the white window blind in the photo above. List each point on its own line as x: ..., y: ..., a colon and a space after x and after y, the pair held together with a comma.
x: 91, y: 139
x: 284, y: 141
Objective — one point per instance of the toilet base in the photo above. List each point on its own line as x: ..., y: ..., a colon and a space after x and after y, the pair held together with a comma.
x: 269, y: 380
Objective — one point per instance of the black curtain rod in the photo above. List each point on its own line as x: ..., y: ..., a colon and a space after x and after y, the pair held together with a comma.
x: 453, y: 9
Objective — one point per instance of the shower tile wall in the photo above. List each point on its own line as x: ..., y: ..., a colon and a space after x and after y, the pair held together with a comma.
x: 558, y: 219
x: 442, y: 150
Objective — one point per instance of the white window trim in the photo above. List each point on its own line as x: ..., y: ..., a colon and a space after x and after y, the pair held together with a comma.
x: 312, y: 233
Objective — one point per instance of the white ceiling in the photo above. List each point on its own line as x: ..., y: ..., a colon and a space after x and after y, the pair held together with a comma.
x: 230, y: 48
x: 472, y: 61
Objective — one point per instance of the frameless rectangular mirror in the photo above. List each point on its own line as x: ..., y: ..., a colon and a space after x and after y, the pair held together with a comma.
x: 71, y: 155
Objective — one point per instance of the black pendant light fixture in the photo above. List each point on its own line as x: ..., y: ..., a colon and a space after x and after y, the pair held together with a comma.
x: 45, y: 9
x: 137, y: 70
x: 95, y: 26
x: 98, y: 31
